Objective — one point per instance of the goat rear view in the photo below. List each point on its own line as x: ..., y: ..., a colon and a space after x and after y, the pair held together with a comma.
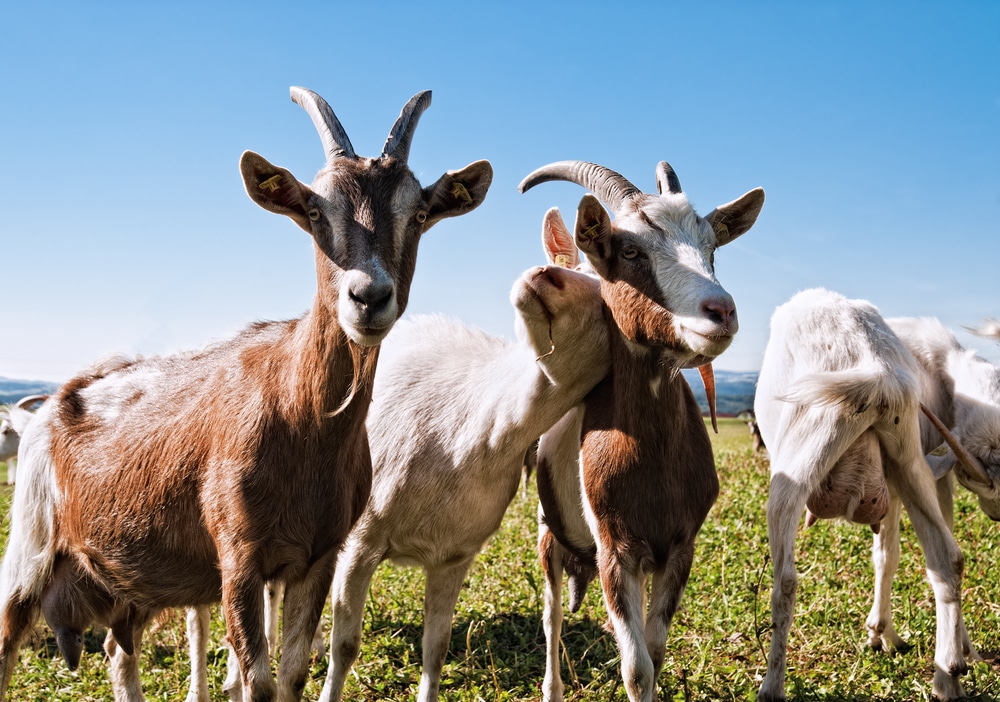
x: 647, y: 475
x: 838, y: 402
x: 272, y: 466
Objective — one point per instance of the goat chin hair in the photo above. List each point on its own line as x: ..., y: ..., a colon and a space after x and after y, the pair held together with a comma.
x: 860, y: 388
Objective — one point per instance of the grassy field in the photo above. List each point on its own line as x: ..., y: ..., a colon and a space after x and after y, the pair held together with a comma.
x: 717, y: 645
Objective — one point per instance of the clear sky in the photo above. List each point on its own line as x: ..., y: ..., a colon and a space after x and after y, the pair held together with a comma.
x: 874, y: 128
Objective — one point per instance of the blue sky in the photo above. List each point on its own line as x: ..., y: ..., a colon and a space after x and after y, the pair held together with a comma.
x: 874, y: 128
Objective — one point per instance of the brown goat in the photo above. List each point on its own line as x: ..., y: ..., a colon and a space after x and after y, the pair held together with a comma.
x: 183, y: 480
x: 647, y: 473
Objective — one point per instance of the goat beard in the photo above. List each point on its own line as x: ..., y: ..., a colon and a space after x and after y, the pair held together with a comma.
x: 363, y: 360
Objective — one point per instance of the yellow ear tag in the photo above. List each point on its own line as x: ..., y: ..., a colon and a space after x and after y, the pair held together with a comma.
x: 563, y: 260
x: 590, y: 233
x: 271, y: 184
x: 458, y: 191
x: 721, y: 231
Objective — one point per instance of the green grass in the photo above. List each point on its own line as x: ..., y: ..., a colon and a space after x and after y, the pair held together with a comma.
x: 716, y: 648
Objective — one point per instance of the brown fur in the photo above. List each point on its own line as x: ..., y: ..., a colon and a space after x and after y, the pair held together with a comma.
x: 193, y: 478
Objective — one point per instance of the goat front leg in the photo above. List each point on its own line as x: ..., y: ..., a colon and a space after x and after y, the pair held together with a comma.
x: 301, y: 614
x: 199, y: 620
x: 785, y: 505
x: 624, y: 598
x: 243, y: 606
x: 665, y: 597
x: 355, y: 568
x: 885, y: 559
x: 440, y: 596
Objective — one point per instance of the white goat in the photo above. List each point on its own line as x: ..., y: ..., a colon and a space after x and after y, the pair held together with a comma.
x: 963, y: 391
x: 119, y: 514
x: 453, y: 413
x: 13, y: 420
x: 626, y: 481
x: 838, y: 403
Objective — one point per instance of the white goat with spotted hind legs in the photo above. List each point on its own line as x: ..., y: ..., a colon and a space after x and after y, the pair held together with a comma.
x: 962, y: 390
x: 13, y: 421
x: 838, y: 402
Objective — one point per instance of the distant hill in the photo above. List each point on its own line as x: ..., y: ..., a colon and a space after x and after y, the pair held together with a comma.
x: 12, y: 390
x: 734, y: 390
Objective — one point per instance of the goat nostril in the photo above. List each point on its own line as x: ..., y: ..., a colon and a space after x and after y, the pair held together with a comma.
x: 553, y: 277
x: 373, y: 297
x: 719, y: 311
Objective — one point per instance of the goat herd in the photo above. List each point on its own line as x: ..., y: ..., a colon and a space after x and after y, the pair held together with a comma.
x: 302, y: 466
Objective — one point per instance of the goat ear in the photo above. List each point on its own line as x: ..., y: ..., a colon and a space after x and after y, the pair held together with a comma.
x: 458, y: 192
x: 736, y: 217
x: 560, y: 249
x: 593, y: 230
x: 275, y: 189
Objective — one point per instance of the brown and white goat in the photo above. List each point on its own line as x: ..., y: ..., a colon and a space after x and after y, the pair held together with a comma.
x: 838, y: 402
x: 646, y: 477
x: 119, y: 513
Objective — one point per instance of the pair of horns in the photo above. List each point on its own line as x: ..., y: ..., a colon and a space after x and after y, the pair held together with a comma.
x: 335, y: 142
x: 611, y: 188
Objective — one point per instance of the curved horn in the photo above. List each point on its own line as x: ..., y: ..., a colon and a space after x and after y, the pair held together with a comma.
x: 397, y: 144
x: 666, y: 179
x: 335, y: 141
x: 611, y: 188
x: 30, y: 400
x: 975, y: 469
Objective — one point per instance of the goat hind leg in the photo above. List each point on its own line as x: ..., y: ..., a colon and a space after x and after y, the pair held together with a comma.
x: 550, y: 553
x: 945, y: 564
x: 785, y: 506
x: 17, y: 618
x: 198, y: 623
x: 885, y: 559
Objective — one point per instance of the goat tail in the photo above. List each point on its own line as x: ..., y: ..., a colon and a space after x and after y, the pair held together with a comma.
x: 27, y: 563
x: 884, y: 389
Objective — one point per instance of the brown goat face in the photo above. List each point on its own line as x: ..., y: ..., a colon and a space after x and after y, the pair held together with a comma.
x: 657, y: 263
x: 365, y: 215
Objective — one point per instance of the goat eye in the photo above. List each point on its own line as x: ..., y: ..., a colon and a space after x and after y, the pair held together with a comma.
x: 629, y: 253
x: 421, y: 216
x: 314, y: 214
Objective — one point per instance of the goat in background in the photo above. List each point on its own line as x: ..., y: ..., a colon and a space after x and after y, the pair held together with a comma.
x: 838, y: 402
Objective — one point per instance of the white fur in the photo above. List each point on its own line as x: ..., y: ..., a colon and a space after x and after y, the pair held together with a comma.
x: 832, y: 370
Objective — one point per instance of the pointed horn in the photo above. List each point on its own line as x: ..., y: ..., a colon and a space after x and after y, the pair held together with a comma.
x: 708, y: 379
x: 30, y: 400
x: 335, y: 141
x: 611, y: 188
x: 666, y: 179
x: 972, y: 465
x: 397, y: 144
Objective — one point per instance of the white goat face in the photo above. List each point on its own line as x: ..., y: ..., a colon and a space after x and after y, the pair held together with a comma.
x: 9, y: 440
x: 980, y: 436
x: 560, y: 315
x: 656, y: 259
